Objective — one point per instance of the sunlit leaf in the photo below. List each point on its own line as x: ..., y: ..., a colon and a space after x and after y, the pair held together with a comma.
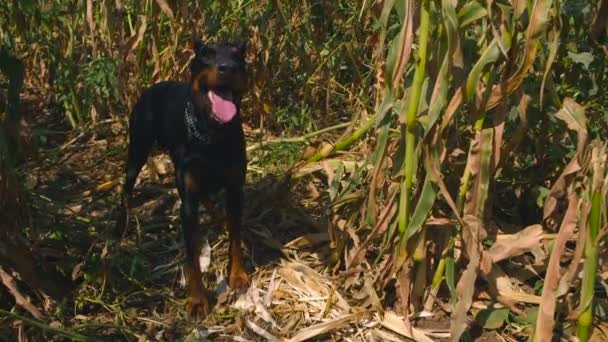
x: 471, y: 12
x: 488, y: 57
x: 492, y: 319
x: 536, y: 28
x: 423, y: 207
x: 584, y: 58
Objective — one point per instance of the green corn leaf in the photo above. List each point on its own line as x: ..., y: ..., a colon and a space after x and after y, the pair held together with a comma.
x: 387, y: 104
x: 492, y: 318
x: 488, y: 57
x: 485, y: 173
x: 423, y: 207
x: 548, y: 64
x: 471, y: 12
x: 442, y: 84
x: 450, y: 276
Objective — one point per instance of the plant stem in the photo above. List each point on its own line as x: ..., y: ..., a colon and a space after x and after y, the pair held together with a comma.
x: 301, y: 139
x: 411, y: 121
x: 341, y: 145
x: 448, y: 252
x: 591, y: 256
x: 41, y: 325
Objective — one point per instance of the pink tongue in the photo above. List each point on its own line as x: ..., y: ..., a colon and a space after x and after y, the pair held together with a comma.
x: 223, y: 109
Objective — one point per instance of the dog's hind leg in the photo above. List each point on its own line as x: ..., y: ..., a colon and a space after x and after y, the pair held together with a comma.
x: 141, y: 141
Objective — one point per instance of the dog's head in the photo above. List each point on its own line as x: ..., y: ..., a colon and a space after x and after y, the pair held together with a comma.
x: 218, y: 76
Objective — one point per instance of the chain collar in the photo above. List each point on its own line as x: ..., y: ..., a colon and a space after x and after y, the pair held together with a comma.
x: 201, y: 135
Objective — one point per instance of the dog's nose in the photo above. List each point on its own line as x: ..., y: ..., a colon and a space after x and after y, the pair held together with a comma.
x: 223, y: 68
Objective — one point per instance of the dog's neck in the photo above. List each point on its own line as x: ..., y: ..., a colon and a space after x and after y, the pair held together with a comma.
x: 199, y: 99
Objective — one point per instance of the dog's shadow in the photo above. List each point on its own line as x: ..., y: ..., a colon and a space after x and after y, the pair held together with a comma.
x: 271, y: 218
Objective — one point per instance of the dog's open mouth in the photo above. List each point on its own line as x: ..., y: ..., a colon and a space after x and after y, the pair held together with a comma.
x: 222, y: 105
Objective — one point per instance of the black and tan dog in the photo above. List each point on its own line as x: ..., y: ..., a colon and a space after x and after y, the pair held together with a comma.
x: 200, y: 125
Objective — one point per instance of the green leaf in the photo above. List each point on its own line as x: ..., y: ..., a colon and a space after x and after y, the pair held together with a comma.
x: 450, y: 20
x: 529, y: 318
x: 386, y: 11
x: 353, y: 181
x: 423, y: 207
x: 471, y: 12
x: 548, y: 64
x: 423, y: 105
x: 584, y: 58
x: 335, y: 183
x: 438, y: 98
x: 488, y: 57
x: 394, y: 49
x: 399, y: 158
x: 401, y: 10
x: 387, y: 103
x: 492, y: 319
x: 442, y: 83
x: 541, y: 195
x: 383, y: 134
x: 450, y: 277
x: 485, y: 173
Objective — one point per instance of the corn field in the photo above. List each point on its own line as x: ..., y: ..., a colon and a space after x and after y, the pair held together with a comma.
x: 430, y: 170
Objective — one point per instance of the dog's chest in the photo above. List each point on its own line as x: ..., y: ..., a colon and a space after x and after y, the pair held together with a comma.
x: 214, y: 167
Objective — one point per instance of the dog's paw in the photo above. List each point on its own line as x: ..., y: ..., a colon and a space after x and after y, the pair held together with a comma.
x: 197, y: 307
x: 121, y: 213
x: 121, y: 226
x: 239, y: 279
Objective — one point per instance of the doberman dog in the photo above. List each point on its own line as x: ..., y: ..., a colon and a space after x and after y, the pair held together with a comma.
x: 200, y: 124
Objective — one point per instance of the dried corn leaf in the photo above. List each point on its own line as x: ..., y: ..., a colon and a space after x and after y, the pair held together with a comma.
x: 204, y: 259
x: 545, y: 319
x: 539, y: 18
x: 308, y: 240
x: 261, y: 332
x: 466, y: 284
x: 381, y: 335
x: 406, y: 38
x: 395, y: 323
x: 573, y: 115
x: 383, y: 223
x: 164, y: 6
x: 480, y: 158
x: 260, y: 310
x: 325, y: 327
x: 310, y: 285
x: 510, y: 245
x: 270, y: 290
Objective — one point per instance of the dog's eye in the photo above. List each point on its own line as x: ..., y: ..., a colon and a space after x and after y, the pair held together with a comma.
x: 237, y: 55
x: 207, y: 51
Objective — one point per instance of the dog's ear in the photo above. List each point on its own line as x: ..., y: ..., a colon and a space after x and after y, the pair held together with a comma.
x: 242, y: 47
x: 197, y: 44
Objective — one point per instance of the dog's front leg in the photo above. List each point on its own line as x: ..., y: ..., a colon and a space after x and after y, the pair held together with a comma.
x: 234, y: 197
x: 198, y: 305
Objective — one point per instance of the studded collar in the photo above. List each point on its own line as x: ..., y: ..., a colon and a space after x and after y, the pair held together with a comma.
x: 196, y: 129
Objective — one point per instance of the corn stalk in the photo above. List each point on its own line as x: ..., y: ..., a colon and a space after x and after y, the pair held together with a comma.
x: 597, y: 194
x: 409, y: 124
